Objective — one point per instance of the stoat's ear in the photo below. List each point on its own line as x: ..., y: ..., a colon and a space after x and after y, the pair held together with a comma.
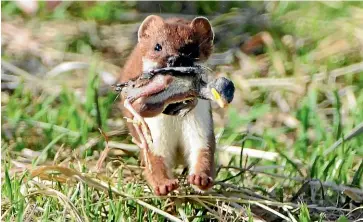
x: 152, y: 22
x: 203, y: 28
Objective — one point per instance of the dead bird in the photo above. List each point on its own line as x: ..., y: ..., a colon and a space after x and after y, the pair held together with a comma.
x: 174, y: 91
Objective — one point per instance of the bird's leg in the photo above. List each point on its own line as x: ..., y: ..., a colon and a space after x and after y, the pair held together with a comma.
x: 142, y: 130
x: 139, y: 121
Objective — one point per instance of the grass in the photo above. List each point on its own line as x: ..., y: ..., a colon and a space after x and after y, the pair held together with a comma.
x: 290, y: 145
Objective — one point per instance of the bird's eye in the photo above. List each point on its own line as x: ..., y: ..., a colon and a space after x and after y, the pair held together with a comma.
x: 158, y: 47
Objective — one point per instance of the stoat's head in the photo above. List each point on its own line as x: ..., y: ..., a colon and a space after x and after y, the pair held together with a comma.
x: 174, y: 42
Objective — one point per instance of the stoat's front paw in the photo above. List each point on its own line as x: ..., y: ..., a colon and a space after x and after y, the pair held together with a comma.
x: 165, y: 186
x: 201, y: 180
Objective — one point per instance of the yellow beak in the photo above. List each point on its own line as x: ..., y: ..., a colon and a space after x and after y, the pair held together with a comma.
x: 219, y: 100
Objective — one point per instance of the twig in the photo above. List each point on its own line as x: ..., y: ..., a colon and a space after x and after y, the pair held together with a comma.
x: 267, y: 155
x: 45, y: 150
x: 355, y: 132
x: 52, y: 126
x: 295, y: 84
x: 20, y: 72
x: 51, y: 89
x: 235, y: 205
x: 243, y: 201
x: 289, y: 214
x: 93, y: 141
x: 179, y: 207
x: 272, y: 211
x: 246, y: 192
x: 332, y: 185
x: 100, y: 185
x: 51, y: 192
x: 215, y: 214
x: 351, y: 69
x: 66, y: 67
x: 106, y: 76
x: 104, y: 152
x: 123, y: 146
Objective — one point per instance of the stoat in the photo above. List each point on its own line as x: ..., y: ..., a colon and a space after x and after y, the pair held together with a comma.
x: 190, y: 138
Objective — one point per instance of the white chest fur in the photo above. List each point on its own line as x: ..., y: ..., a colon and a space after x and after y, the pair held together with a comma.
x: 191, y: 133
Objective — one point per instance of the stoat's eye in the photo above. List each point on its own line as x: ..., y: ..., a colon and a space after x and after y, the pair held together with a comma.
x: 158, y: 47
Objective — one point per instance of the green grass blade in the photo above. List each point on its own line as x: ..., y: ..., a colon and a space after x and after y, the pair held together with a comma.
x: 46, y: 149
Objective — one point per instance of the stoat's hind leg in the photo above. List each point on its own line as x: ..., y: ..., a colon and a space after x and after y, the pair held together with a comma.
x: 165, y: 132
x: 157, y: 150
x: 199, y: 144
x: 158, y: 176
x: 202, y: 173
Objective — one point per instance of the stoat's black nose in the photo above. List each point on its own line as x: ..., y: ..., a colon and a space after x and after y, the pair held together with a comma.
x: 225, y: 88
x: 179, y: 60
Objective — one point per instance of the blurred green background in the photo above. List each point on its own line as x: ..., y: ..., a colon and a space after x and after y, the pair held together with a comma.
x: 296, y: 117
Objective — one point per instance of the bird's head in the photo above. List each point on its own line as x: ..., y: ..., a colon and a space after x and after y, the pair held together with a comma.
x: 222, y: 90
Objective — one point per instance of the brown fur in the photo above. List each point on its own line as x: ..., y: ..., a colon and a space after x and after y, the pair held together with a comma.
x: 157, y: 176
x: 204, y: 174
